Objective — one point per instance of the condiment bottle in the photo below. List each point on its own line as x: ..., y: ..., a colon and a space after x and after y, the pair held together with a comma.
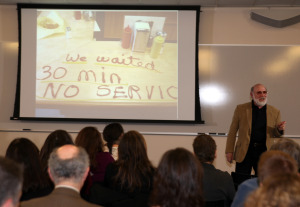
x: 126, y: 37
x: 156, y: 46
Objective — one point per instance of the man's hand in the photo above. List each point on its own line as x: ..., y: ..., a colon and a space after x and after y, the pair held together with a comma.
x: 229, y: 157
x: 281, y: 126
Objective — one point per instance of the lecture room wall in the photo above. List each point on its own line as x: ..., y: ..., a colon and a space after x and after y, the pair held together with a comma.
x: 234, y: 53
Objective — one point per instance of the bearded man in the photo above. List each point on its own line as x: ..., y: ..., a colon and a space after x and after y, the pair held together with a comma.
x: 257, y: 124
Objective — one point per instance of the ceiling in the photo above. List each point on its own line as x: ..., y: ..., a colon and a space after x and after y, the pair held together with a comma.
x: 203, y: 3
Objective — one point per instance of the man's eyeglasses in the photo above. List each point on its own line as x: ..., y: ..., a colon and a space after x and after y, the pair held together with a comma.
x: 261, y: 92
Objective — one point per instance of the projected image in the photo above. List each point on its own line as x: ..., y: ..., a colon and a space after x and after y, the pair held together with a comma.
x: 108, y: 62
x: 95, y: 57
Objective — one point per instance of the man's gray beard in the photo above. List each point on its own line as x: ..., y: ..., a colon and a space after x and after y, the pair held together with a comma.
x: 260, y: 103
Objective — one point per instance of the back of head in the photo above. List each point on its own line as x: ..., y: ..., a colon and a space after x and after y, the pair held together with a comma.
x: 277, y: 190
x: 205, y: 148
x: 68, y: 163
x: 112, y: 132
x: 178, y: 181
x: 288, y: 146
x: 275, y: 162
x: 132, y: 147
x: 134, y: 167
x: 25, y: 152
x: 90, y: 139
x: 55, y: 139
x: 11, y: 178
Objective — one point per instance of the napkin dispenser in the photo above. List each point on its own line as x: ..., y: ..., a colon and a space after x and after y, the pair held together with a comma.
x: 141, y: 35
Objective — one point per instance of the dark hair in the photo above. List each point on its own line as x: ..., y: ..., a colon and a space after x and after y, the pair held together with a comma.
x: 111, y: 134
x: 90, y: 139
x: 11, y: 178
x: 55, y: 139
x: 25, y: 152
x: 134, y: 166
x: 178, y: 182
x: 204, y: 148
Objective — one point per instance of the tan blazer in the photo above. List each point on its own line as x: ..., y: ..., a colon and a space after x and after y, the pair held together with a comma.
x: 60, y: 197
x: 242, y: 123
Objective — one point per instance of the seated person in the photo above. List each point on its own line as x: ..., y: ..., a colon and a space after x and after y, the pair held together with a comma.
x: 112, y: 134
x: 90, y: 139
x: 11, y: 179
x: 35, y: 183
x: 178, y: 180
x: 217, y: 185
x: 68, y: 168
x: 285, y: 145
x: 55, y: 139
x: 282, y: 189
x: 130, y: 178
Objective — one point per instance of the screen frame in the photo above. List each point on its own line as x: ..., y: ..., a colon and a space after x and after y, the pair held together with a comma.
x: 197, y: 110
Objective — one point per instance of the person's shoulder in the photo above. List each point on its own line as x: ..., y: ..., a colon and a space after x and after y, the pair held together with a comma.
x: 273, y: 108
x: 244, y: 105
x: 224, y: 174
x: 104, y: 155
x: 209, y: 168
x: 249, y: 184
x: 243, y: 191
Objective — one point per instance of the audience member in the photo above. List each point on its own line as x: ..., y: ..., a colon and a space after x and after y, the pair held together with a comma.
x: 128, y: 180
x: 289, y: 146
x: 35, y: 183
x: 217, y: 185
x: 277, y: 190
x: 270, y: 163
x: 68, y: 168
x: 90, y: 139
x: 178, y: 181
x: 11, y: 179
x: 112, y: 134
x: 55, y: 139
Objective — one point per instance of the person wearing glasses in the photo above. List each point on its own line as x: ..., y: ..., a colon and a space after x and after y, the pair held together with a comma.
x: 257, y: 124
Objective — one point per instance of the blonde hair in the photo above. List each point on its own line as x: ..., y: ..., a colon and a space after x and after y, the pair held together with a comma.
x: 281, y: 190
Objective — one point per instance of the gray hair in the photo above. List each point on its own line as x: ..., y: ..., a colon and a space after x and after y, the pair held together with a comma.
x: 288, y: 146
x: 72, y: 169
x: 11, y: 179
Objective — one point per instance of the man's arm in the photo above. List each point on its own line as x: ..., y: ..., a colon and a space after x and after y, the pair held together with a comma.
x: 230, y: 143
x: 280, y: 126
x: 229, y: 157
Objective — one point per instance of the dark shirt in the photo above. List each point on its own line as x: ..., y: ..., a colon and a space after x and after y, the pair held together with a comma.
x: 111, y: 172
x: 110, y: 193
x: 96, y: 174
x: 217, y: 185
x: 103, y: 159
x: 259, y: 124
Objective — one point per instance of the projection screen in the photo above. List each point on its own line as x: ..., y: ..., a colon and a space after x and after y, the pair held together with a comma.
x: 93, y: 62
